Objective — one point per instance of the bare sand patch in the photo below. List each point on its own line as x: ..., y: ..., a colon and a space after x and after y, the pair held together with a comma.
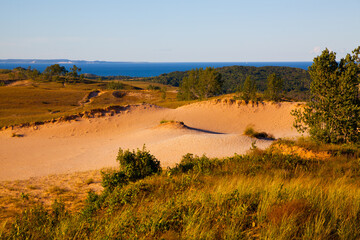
x: 214, y: 128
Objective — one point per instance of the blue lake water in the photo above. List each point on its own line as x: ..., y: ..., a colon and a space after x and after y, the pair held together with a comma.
x: 149, y: 69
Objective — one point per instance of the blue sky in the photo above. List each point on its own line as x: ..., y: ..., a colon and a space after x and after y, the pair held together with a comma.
x: 178, y: 30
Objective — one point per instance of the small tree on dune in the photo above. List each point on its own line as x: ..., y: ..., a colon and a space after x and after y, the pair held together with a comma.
x: 333, y: 113
x: 248, y: 91
x: 274, y: 87
x: 200, y: 84
x: 54, y: 70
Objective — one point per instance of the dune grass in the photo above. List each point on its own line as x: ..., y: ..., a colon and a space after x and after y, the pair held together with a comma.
x: 40, y: 101
x: 261, y: 195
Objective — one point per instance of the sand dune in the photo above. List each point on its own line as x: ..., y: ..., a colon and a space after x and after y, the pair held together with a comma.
x: 213, y: 128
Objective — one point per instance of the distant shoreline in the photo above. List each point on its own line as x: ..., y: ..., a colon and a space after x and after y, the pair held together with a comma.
x: 136, y: 69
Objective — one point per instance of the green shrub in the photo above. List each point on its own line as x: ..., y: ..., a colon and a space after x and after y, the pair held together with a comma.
x: 133, y: 166
x: 202, y: 164
x: 93, y: 203
x: 115, y: 85
x: 249, y: 131
x: 110, y: 180
x: 153, y: 87
x: 139, y: 164
x: 33, y: 223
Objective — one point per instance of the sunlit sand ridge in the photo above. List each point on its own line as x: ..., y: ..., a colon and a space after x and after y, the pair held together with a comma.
x: 214, y: 128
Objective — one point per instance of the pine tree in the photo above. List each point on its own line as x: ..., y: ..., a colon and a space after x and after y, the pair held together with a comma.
x: 275, y: 87
x: 249, y: 89
x: 200, y: 84
x: 333, y: 112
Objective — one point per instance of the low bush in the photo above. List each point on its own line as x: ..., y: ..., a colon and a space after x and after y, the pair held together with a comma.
x: 139, y: 164
x: 133, y: 166
x: 153, y: 87
x: 112, y: 179
x: 119, y: 94
x: 115, y: 85
x: 249, y: 131
x: 189, y: 162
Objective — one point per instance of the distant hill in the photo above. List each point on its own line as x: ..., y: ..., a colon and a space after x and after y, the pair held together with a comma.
x: 50, y: 61
x: 296, y: 80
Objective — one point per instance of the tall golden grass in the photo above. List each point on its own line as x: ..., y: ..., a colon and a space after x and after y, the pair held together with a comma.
x: 261, y: 195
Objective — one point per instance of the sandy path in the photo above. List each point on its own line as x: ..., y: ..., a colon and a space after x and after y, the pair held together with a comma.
x: 86, y: 144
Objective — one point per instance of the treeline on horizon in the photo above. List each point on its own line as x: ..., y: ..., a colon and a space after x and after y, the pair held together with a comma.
x: 296, y: 81
x: 54, y: 72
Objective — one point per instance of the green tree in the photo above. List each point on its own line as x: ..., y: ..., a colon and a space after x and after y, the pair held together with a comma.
x: 11, y: 75
x: 33, y: 74
x: 200, y: 84
x: 248, y: 90
x: 54, y: 70
x: 333, y: 113
x: 274, y: 87
x: 74, y: 71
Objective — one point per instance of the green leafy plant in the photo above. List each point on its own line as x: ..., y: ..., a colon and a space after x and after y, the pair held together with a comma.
x: 200, y: 84
x: 139, y: 164
x: 115, y: 85
x: 333, y: 112
x: 133, y: 166
x: 275, y: 87
x: 248, y: 90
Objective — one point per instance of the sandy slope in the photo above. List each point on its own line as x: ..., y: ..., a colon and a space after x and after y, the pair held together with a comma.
x: 215, y: 128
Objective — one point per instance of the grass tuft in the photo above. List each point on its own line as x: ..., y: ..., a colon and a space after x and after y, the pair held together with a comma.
x: 249, y: 131
x: 17, y: 135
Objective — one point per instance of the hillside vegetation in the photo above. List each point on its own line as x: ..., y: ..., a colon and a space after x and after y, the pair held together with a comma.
x: 24, y: 100
x: 273, y: 194
x: 296, y: 81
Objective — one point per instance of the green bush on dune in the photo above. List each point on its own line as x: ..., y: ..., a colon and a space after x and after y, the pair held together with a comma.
x: 133, y: 166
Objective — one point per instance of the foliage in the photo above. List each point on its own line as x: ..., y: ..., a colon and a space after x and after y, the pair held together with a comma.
x: 74, y: 71
x: 189, y: 162
x: 133, y: 166
x: 112, y: 179
x: 248, y: 90
x: 153, y: 87
x: 296, y: 80
x: 200, y: 84
x: 33, y: 74
x: 115, y: 85
x: 260, y: 195
x: 139, y: 164
x: 333, y: 112
x: 54, y: 70
x: 249, y: 131
x: 274, y: 87
x: 163, y: 93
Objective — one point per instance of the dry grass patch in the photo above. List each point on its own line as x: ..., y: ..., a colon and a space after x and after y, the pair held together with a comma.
x: 73, y: 188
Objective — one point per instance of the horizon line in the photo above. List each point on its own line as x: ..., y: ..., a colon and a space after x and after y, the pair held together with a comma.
x: 106, y: 61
